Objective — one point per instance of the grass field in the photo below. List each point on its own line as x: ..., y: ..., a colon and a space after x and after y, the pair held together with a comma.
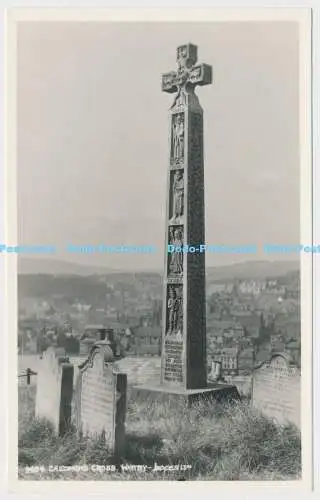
x: 210, y: 442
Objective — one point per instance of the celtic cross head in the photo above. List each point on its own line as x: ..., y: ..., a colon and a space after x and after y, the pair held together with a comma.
x: 188, y: 73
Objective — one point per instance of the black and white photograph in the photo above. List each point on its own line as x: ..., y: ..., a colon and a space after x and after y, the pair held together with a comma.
x: 160, y: 239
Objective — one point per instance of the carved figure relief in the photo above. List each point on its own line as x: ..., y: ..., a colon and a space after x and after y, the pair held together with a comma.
x: 178, y: 198
x: 180, y: 316
x: 180, y: 100
x: 195, y: 74
x: 182, y: 53
x: 175, y: 311
x: 176, y: 257
x: 178, y: 137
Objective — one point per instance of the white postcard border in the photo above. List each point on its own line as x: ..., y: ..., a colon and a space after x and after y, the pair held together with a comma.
x: 301, y: 15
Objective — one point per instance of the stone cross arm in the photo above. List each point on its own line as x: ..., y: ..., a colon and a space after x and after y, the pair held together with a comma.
x: 201, y: 74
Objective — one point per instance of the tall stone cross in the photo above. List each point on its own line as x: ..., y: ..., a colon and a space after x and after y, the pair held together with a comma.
x: 184, y: 313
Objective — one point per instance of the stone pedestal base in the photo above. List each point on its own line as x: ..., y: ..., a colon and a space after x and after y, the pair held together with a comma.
x: 213, y: 392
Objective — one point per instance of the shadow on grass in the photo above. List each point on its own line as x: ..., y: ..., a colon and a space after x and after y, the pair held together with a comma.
x: 143, y: 450
x: 220, y: 442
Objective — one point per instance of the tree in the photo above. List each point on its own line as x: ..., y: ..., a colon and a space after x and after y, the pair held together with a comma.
x: 264, y: 332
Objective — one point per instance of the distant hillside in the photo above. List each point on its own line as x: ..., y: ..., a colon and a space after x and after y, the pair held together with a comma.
x: 78, y: 281
x: 243, y: 270
x: 252, y: 270
x: 54, y: 266
x: 91, y: 289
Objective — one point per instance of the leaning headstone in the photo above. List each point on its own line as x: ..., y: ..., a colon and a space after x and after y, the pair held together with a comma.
x: 100, y: 403
x: 54, y: 389
x: 276, y: 390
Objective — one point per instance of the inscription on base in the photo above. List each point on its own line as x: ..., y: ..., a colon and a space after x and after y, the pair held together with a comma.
x: 173, y: 371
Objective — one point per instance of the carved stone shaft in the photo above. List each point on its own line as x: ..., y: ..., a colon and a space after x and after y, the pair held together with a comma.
x: 184, y: 314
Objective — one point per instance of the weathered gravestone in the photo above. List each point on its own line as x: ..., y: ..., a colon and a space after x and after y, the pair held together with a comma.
x: 276, y: 390
x: 100, y: 398
x: 54, y: 389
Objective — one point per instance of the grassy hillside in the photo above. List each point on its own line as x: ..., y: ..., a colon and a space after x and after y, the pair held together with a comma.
x: 209, y: 442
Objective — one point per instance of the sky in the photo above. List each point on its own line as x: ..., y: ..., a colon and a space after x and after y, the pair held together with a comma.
x: 93, y: 135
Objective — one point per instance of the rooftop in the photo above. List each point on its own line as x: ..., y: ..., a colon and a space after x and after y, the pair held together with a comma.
x: 229, y: 351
